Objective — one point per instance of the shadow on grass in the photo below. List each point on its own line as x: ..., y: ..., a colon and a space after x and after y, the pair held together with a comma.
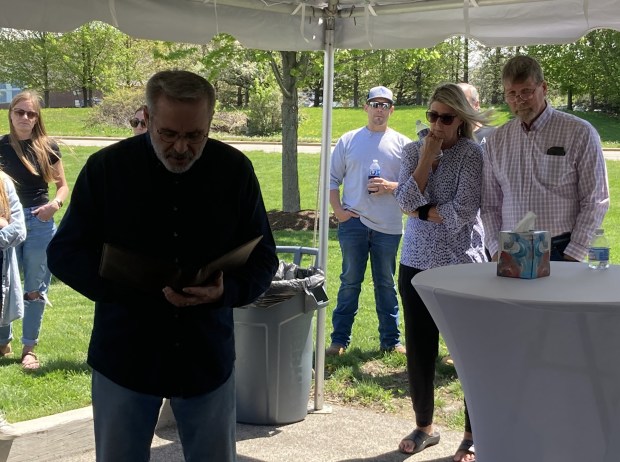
x: 66, y: 367
x: 385, y: 370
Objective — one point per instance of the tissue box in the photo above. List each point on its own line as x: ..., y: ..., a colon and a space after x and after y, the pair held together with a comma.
x: 524, y: 255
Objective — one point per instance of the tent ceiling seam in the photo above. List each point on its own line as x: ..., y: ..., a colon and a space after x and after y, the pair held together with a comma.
x: 368, y: 10
x: 466, y: 17
x: 302, y: 25
x: 112, y: 7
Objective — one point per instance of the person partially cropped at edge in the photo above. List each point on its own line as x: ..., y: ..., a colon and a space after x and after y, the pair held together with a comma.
x: 545, y: 161
x: 12, y: 234
x: 183, y: 197
x: 439, y: 189
x: 370, y: 223
x: 33, y: 160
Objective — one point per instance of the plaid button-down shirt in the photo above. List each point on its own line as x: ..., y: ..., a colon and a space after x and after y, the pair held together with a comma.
x: 556, y: 169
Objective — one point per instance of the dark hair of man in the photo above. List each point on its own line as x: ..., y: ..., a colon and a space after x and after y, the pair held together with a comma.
x: 520, y: 68
x: 181, y: 86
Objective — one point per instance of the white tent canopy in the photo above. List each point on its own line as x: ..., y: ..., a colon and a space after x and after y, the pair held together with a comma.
x: 300, y: 25
x: 305, y: 25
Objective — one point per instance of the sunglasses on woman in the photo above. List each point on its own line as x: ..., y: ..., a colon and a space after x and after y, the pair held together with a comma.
x: 134, y: 122
x: 30, y: 114
x: 446, y: 119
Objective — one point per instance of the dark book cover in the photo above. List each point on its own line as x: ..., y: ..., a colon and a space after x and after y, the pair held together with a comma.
x: 148, y: 273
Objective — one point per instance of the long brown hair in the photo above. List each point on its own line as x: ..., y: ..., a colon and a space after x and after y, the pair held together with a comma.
x: 42, y: 145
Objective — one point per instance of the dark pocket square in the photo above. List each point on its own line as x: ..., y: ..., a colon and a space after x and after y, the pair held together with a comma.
x: 556, y: 151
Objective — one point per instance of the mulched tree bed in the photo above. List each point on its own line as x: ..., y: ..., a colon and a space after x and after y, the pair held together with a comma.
x: 296, y: 221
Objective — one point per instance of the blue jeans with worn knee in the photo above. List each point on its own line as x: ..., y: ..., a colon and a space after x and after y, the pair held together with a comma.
x: 125, y: 422
x: 357, y: 242
x: 36, y: 276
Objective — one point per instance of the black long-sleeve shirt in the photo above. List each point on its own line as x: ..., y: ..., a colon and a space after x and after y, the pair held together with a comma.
x: 125, y: 196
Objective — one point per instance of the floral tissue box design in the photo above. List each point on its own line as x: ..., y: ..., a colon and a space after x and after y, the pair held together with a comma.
x: 524, y: 255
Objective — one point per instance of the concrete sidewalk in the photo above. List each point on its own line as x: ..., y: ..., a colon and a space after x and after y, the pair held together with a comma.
x: 609, y: 153
x: 336, y: 434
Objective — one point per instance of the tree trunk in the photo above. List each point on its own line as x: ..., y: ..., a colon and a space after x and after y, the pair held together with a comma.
x: 417, y: 72
x: 239, y: 96
x: 290, y: 120
x: 466, y: 60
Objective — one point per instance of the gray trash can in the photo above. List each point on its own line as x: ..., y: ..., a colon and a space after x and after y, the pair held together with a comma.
x: 273, y: 341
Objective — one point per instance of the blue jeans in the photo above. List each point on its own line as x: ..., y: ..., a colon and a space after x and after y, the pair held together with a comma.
x: 125, y: 422
x: 32, y: 260
x: 357, y: 241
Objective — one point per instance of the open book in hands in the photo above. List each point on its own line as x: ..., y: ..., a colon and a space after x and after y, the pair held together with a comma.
x: 149, y: 274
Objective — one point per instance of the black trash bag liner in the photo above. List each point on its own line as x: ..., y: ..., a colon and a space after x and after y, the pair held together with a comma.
x: 291, y: 280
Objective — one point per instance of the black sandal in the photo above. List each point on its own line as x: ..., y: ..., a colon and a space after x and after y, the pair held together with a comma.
x: 467, y: 446
x: 421, y: 440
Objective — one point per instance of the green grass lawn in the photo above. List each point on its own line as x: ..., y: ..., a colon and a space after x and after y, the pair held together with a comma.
x: 363, y: 376
x: 74, y: 122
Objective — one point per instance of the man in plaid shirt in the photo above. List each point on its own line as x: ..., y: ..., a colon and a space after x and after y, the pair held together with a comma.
x: 545, y: 161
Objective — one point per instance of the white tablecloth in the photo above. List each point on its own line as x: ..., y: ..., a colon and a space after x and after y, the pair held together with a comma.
x: 539, y: 359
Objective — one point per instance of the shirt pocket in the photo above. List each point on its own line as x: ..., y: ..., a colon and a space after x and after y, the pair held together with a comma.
x: 555, y: 173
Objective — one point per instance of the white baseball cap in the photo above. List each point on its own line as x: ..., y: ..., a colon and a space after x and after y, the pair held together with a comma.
x: 380, y: 92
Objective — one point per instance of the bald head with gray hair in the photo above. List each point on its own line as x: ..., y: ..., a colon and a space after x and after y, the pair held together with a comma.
x: 471, y: 93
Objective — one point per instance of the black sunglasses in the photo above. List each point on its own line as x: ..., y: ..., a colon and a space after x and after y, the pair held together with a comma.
x: 135, y: 121
x: 446, y: 119
x: 30, y: 114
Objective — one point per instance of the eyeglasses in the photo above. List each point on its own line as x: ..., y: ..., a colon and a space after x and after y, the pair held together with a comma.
x: 168, y: 136
x: 30, y: 114
x: 377, y: 104
x: 135, y: 122
x: 525, y: 94
x: 446, y: 119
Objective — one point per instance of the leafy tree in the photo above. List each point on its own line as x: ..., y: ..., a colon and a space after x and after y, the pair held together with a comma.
x: 234, y: 69
x: 30, y: 60
x: 136, y: 61
x: 90, y: 59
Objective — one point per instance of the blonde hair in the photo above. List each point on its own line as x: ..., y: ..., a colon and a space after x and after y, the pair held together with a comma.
x: 5, y: 206
x: 452, y: 95
x: 42, y: 145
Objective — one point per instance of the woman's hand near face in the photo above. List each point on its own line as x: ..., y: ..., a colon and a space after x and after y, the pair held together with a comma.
x: 431, y: 148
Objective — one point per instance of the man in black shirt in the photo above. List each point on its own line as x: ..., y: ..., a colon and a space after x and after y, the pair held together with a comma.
x: 151, y: 195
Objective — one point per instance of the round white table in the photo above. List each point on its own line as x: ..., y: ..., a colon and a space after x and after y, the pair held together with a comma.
x: 538, y: 359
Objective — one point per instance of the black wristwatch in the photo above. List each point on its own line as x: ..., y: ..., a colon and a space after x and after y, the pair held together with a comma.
x: 59, y: 202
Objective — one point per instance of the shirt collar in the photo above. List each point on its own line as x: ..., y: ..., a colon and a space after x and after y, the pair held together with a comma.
x: 540, y: 120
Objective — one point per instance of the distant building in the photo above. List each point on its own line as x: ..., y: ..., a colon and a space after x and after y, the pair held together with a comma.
x: 57, y: 98
x: 7, y: 92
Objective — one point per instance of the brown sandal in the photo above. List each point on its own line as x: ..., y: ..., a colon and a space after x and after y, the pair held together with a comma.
x: 30, y: 361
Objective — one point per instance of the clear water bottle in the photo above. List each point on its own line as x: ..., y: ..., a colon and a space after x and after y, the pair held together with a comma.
x: 421, y: 129
x: 598, y: 250
x: 374, y: 171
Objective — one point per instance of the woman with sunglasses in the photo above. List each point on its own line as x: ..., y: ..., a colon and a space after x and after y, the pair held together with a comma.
x: 137, y: 122
x: 439, y: 189
x: 32, y: 160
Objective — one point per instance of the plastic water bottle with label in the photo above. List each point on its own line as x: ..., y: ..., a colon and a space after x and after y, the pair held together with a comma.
x: 598, y: 251
x: 421, y: 129
x: 374, y: 171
